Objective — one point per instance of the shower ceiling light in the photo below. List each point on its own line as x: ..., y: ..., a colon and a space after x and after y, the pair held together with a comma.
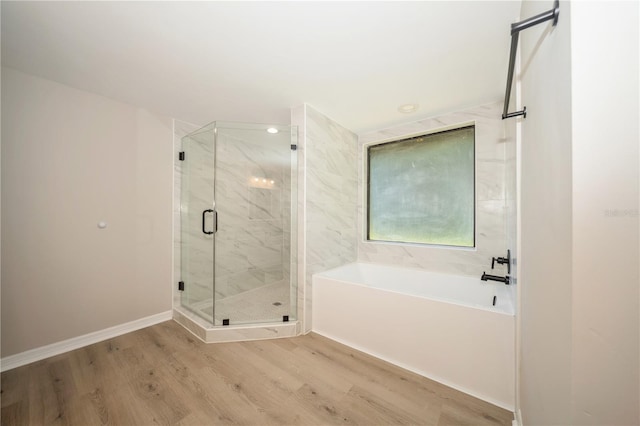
x: 261, y: 182
x: 408, y: 108
x: 272, y: 130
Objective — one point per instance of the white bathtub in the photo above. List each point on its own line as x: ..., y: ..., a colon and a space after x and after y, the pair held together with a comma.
x: 444, y: 327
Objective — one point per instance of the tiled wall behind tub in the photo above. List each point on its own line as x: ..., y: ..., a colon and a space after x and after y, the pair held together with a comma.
x: 330, y: 203
x: 511, y: 200
x: 490, y: 198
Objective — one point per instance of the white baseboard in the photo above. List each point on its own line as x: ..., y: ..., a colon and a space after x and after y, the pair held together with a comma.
x: 518, y: 419
x: 33, y: 355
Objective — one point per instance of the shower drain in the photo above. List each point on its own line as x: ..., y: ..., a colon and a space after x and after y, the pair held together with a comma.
x: 277, y: 304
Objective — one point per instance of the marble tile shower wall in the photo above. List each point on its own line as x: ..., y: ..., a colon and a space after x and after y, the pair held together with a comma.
x: 490, y: 197
x: 331, y: 197
x: 251, y: 248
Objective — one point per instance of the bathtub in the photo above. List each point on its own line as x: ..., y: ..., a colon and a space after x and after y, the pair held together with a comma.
x: 444, y: 327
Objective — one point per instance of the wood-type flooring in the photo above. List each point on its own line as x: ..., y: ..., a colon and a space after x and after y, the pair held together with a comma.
x: 163, y: 375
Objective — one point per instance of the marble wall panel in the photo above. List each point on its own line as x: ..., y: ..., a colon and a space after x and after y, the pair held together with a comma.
x: 491, y: 137
x: 298, y: 245
x: 330, y: 205
x: 250, y: 174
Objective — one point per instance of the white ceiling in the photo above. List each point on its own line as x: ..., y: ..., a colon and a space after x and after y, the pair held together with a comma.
x: 252, y: 61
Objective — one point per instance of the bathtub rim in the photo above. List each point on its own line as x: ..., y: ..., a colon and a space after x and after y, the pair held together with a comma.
x: 511, y: 312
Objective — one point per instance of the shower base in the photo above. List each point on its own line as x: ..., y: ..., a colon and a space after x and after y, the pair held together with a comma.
x: 246, y: 312
x: 270, y: 301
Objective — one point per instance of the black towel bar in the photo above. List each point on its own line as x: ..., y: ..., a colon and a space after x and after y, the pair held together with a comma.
x: 515, y: 31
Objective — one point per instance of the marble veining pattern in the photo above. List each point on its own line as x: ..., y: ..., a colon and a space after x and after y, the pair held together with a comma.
x: 251, y: 215
x: 331, y: 197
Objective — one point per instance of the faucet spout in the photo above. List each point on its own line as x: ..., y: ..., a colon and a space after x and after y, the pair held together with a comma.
x: 487, y: 277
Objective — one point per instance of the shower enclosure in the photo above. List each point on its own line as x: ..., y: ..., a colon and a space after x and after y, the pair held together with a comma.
x: 238, y: 223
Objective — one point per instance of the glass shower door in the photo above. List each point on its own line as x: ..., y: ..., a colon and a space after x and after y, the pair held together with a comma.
x: 196, y: 222
x: 255, y: 274
x: 238, y: 223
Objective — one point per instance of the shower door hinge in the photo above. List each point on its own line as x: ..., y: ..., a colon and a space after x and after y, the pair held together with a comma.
x: 181, y: 285
x: 181, y: 156
x: 294, y: 147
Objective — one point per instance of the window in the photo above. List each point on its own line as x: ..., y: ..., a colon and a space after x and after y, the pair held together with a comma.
x: 422, y: 189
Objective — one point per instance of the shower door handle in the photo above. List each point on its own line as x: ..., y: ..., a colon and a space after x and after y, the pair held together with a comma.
x: 204, y: 215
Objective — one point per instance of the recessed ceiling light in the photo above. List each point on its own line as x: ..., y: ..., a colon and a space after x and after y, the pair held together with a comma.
x: 408, y: 108
x: 272, y: 130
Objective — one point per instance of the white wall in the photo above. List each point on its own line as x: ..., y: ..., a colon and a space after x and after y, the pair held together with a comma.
x: 605, y: 115
x: 579, y: 217
x: 545, y: 257
x: 69, y: 160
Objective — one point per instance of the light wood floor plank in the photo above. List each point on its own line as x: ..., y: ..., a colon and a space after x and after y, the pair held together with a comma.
x: 163, y: 375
